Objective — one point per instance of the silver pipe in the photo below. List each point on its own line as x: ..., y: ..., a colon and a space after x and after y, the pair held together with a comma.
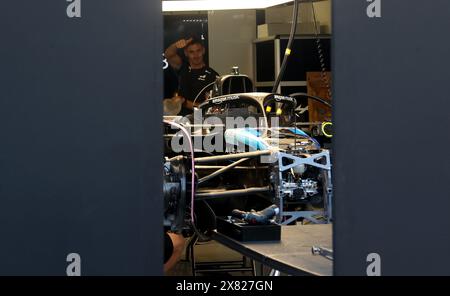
x: 232, y: 156
x: 217, y: 167
x: 222, y: 170
x: 228, y: 193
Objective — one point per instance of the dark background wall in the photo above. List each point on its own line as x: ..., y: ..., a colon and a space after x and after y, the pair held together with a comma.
x: 391, y: 164
x: 80, y: 134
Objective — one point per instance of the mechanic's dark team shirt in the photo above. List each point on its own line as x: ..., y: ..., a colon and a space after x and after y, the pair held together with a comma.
x: 192, y: 81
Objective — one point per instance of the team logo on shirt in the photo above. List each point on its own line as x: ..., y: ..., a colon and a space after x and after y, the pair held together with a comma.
x: 202, y: 77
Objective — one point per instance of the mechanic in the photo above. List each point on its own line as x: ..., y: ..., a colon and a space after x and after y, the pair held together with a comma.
x: 173, y: 249
x: 193, y: 75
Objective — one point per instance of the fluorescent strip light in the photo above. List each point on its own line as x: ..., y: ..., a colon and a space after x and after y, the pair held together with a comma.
x: 219, y: 4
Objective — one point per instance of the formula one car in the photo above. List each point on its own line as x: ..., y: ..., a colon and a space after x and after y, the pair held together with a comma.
x: 243, y: 151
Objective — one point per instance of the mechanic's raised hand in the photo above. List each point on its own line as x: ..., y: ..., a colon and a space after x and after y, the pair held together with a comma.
x: 182, y: 43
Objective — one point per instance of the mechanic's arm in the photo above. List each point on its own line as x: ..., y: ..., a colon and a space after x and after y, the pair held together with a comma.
x: 190, y: 105
x: 178, y: 99
x: 178, y: 242
x: 171, y: 53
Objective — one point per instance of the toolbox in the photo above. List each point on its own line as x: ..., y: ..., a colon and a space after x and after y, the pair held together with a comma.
x: 244, y: 232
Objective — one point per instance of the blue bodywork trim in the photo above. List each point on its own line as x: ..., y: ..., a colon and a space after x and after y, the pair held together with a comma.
x: 302, y: 133
x: 298, y: 132
x: 249, y: 137
x: 252, y: 137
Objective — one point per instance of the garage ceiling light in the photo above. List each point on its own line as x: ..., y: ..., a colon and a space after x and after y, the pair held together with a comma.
x: 219, y: 4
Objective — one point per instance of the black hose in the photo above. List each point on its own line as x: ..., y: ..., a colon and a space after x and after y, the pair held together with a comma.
x: 311, y: 97
x: 287, y: 53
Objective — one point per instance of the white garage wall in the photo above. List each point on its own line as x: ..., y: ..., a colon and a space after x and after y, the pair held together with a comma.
x: 232, y: 32
x: 284, y: 14
x: 231, y: 35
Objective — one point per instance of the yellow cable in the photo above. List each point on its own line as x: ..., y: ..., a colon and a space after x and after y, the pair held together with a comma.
x: 324, y: 125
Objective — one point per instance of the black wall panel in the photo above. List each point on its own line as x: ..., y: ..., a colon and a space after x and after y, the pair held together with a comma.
x: 391, y: 113
x: 80, y: 137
